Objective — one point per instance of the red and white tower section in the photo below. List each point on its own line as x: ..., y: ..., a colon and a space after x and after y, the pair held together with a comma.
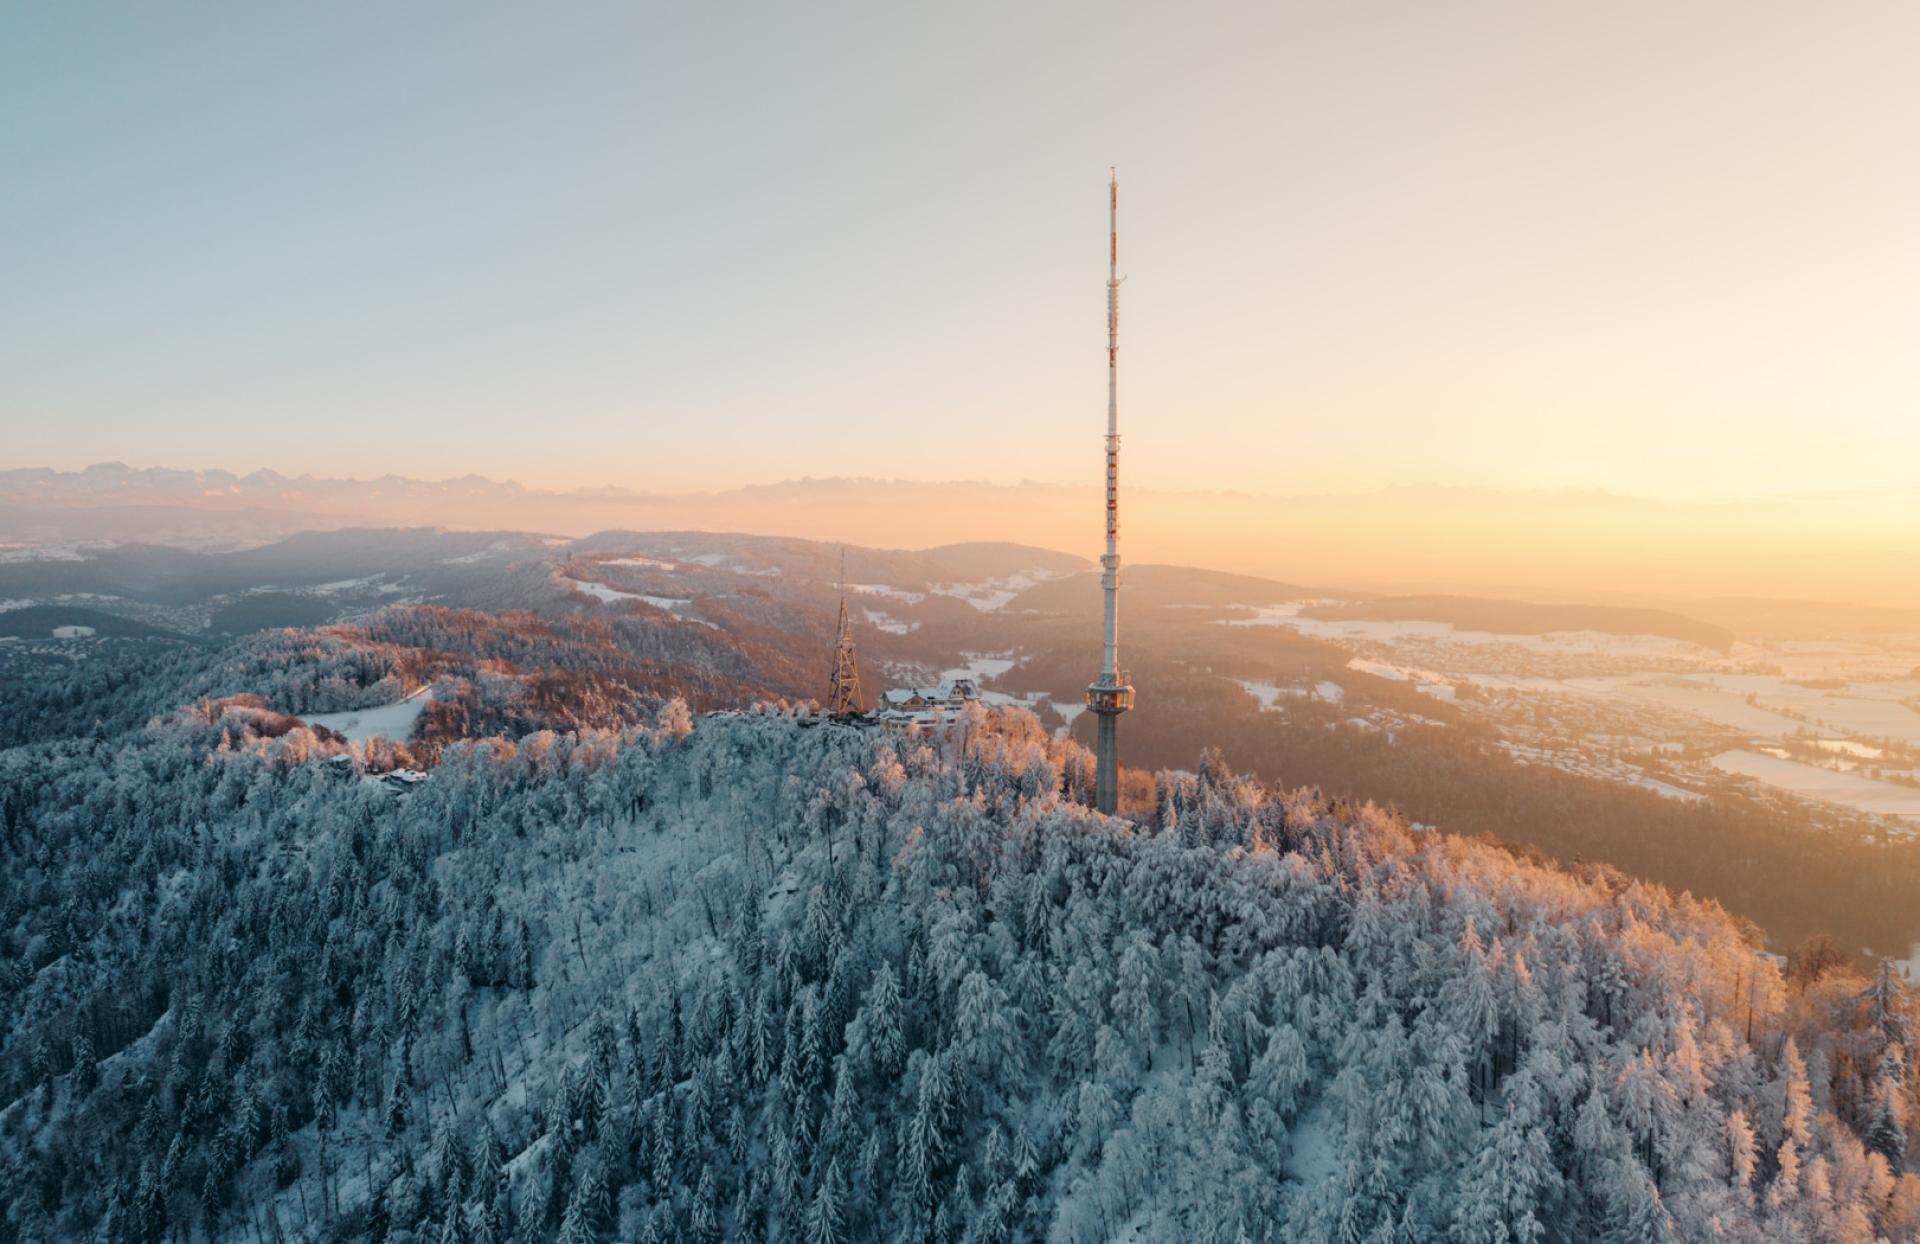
x: 1111, y: 694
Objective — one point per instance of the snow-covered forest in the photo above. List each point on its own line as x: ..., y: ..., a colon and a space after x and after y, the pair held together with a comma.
x: 765, y: 979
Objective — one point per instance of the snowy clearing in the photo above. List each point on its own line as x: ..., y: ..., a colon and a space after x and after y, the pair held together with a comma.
x: 342, y: 585
x: 608, y: 595
x: 893, y: 593
x: 1269, y: 694
x: 882, y: 621
x: 989, y: 596
x: 389, y: 721
x: 1669, y: 790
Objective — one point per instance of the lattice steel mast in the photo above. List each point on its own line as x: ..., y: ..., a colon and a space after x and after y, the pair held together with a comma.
x: 1111, y: 694
x: 843, y: 697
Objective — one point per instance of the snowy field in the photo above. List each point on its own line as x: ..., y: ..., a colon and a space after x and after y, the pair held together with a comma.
x: 1812, y: 782
x: 608, y: 595
x: 891, y: 593
x: 1718, y: 691
x: 1870, y: 710
x: 991, y: 595
x: 389, y: 721
x: 1360, y: 630
x: 1545, y: 692
x: 1669, y: 790
x: 880, y: 620
x: 1270, y: 695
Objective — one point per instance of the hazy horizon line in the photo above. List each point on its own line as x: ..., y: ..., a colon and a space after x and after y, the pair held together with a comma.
x: 610, y: 489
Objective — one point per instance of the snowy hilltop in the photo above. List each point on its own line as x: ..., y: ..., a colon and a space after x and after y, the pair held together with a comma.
x: 767, y: 979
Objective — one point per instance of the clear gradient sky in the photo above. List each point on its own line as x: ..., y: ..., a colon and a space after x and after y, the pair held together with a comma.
x: 1656, y: 248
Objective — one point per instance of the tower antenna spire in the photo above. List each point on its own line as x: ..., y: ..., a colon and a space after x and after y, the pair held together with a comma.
x: 843, y: 696
x: 1111, y: 694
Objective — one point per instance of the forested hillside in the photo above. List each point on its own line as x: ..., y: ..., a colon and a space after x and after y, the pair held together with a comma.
x: 766, y: 979
x: 490, y: 673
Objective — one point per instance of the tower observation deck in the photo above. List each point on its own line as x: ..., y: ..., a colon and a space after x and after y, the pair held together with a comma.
x: 1111, y: 694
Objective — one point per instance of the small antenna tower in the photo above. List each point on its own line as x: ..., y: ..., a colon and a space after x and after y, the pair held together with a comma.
x: 843, y: 697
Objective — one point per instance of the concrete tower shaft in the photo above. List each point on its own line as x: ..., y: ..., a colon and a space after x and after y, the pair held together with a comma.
x: 1111, y: 694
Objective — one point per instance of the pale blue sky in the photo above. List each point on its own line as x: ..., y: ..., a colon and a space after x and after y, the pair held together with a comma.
x: 1650, y: 247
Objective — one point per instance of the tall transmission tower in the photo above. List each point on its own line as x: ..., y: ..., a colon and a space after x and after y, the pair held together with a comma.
x: 1111, y: 694
x: 843, y: 697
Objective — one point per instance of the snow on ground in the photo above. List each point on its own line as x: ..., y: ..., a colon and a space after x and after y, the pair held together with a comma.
x: 710, y: 560
x: 894, y: 593
x: 983, y: 666
x: 39, y: 553
x: 1426, y: 682
x: 342, y: 585
x: 389, y: 721
x: 1068, y: 712
x: 989, y: 596
x: 1269, y: 694
x: 602, y: 592
x: 881, y: 621
x: 1778, y: 708
x: 609, y: 595
x: 1669, y: 790
x: 72, y: 632
x: 1268, y: 615
x: 1871, y: 716
x: 498, y: 546
x: 1315, y: 1139
x: 1704, y: 702
x: 637, y: 560
x: 1559, y: 642
x: 1847, y: 747
x: 1813, y: 782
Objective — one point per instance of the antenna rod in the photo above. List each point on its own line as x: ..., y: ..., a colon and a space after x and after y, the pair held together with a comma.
x: 1110, y: 579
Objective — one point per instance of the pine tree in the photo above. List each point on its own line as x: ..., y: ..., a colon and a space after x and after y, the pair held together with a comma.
x: 1886, y: 1131
x: 395, y: 1116
x: 1797, y: 1097
x: 1642, y: 1219
x: 885, y: 1040
x: 1743, y: 1155
x: 703, y: 1218
x: 86, y: 1070
x: 826, y: 1220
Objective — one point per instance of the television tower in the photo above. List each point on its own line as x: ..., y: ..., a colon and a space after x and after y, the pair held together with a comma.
x: 1111, y: 694
x: 843, y: 697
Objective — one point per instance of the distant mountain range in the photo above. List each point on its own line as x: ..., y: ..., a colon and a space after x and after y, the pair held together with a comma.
x: 1861, y: 546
